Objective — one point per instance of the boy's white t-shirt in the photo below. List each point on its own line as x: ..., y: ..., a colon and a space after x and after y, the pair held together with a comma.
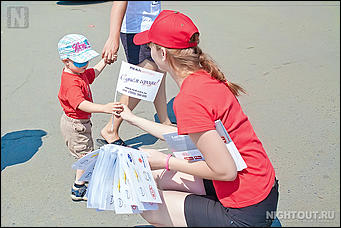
x: 140, y: 15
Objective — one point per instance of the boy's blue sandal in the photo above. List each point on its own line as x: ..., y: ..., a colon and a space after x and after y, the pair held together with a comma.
x: 78, y: 194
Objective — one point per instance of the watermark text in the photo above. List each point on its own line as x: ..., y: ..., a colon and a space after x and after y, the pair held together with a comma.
x: 302, y: 215
x: 17, y: 17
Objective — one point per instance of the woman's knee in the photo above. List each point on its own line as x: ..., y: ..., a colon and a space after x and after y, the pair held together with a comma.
x: 178, y: 181
x: 158, y: 176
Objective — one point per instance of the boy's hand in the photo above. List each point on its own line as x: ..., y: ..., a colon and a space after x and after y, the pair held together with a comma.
x: 112, y: 108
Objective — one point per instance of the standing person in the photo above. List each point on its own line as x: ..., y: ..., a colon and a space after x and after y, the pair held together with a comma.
x: 209, y: 192
x: 127, y: 19
x: 76, y: 100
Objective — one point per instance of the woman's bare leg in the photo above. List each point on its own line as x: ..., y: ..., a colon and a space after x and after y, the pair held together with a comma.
x: 171, y: 212
x: 178, y: 181
x: 173, y: 188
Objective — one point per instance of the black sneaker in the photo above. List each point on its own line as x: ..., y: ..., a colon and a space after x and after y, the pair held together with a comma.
x: 102, y: 142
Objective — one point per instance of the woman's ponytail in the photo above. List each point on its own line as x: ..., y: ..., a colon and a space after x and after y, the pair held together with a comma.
x: 211, y: 67
x: 191, y: 59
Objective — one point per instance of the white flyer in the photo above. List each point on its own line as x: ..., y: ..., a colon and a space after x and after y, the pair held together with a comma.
x: 85, y: 161
x: 239, y: 161
x: 138, y: 82
x: 120, y: 180
x: 132, y: 180
x: 145, y: 177
x: 121, y: 193
x: 88, y: 172
x: 94, y: 191
x: 190, y: 155
x: 183, y: 147
x: 138, y: 170
x: 177, y: 142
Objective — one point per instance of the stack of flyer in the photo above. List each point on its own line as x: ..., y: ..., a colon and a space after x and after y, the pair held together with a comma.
x: 120, y: 179
x: 183, y: 147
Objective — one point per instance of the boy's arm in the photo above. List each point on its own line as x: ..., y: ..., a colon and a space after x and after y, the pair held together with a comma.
x: 99, y: 67
x: 90, y: 107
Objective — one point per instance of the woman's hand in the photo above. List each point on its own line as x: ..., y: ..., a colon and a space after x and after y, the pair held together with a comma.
x: 156, y: 159
x: 110, y: 49
x: 125, y: 113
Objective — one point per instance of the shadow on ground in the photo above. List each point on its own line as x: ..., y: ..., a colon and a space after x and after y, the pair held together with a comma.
x: 20, y: 146
x: 142, y: 140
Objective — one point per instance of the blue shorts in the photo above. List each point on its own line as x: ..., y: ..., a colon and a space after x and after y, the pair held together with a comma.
x: 207, y: 211
x: 135, y: 54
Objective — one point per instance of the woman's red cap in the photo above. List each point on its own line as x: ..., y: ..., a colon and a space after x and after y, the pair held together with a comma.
x: 171, y: 29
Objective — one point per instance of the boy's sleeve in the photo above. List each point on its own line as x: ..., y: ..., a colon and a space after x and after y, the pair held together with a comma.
x: 90, y: 74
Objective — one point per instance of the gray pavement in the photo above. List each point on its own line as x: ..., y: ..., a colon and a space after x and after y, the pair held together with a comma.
x: 285, y: 54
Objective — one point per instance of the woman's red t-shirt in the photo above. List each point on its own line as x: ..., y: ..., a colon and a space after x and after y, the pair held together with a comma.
x: 203, y: 100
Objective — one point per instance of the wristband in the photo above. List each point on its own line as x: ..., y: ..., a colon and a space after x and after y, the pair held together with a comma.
x: 167, y: 161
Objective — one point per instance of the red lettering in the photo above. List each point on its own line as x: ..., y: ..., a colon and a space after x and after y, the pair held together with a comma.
x: 223, y: 138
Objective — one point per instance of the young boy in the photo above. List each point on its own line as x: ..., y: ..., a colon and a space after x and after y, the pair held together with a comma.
x: 76, y: 100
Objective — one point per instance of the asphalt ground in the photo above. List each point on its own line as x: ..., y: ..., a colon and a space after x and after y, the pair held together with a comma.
x: 285, y: 54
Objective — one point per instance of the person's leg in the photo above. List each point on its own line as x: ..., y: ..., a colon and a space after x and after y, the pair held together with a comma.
x: 110, y: 131
x: 78, y: 189
x: 81, y: 144
x: 170, y: 212
x: 79, y: 173
x: 178, y: 181
x: 187, y: 204
x: 160, y: 101
x: 173, y: 188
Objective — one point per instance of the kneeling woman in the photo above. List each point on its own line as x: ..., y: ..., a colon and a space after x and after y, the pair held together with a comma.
x: 210, y: 192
